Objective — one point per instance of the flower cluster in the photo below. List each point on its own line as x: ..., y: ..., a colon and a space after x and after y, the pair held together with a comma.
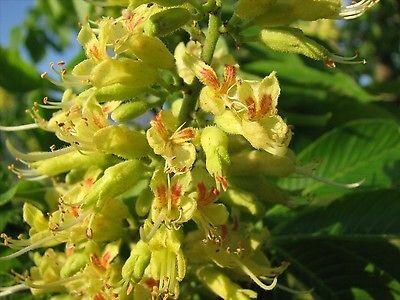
x: 173, y: 191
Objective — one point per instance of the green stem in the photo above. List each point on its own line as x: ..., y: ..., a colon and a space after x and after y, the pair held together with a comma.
x: 190, y: 100
x: 210, y: 42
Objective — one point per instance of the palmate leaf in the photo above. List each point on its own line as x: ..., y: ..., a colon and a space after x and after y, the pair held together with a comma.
x: 346, y: 250
x: 366, y: 150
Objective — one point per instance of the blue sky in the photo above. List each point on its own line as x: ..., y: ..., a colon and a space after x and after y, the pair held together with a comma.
x: 12, y: 13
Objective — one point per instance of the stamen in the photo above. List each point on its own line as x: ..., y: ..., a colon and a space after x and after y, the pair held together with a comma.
x: 19, y: 127
x: 36, y: 156
x: 154, y: 229
x: 6, y: 291
x: 44, y: 240
x: 53, y: 284
x: 257, y: 281
x: 308, y: 173
x: 357, y: 9
x: 26, y: 173
x: 33, y: 246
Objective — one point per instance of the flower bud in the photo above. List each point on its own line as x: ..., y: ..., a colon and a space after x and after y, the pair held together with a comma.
x: 122, y: 76
x: 166, y: 3
x: 222, y: 285
x: 129, y: 111
x: 143, y: 202
x: 293, y: 40
x: 109, y: 222
x: 261, y: 162
x: 284, y: 12
x: 215, y: 145
x: 121, y: 141
x: 66, y: 162
x: 136, y: 264
x: 167, y: 21
x: 244, y: 200
x: 149, y: 49
x: 117, y: 91
x: 115, y: 181
x: 73, y: 264
x: 249, y: 9
x: 35, y: 218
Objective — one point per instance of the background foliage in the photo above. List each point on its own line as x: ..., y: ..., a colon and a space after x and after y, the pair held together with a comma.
x: 342, y: 244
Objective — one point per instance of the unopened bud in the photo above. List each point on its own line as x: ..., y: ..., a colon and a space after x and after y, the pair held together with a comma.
x: 115, y: 181
x: 293, y: 40
x: 215, y: 145
x: 124, y: 72
x: 143, y: 202
x: 150, y: 50
x: 66, y: 162
x: 167, y: 21
x: 121, y: 141
x: 129, y: 111
x: 261, y: 162
x: 73, y: 264
x: 248, y: 9
x: 166, y: 3
x: 137, y: 262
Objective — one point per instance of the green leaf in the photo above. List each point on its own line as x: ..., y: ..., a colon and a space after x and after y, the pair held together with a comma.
x: 23, y: 189
x: 345, y: 250
x: 17, y: 75
x: 364, y: 215
x: 366, y: 150
x: 82, y: 9
x: 8, y: 195
x: 9, y: 216
x: 342, y: 269
x: 35, y: 42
